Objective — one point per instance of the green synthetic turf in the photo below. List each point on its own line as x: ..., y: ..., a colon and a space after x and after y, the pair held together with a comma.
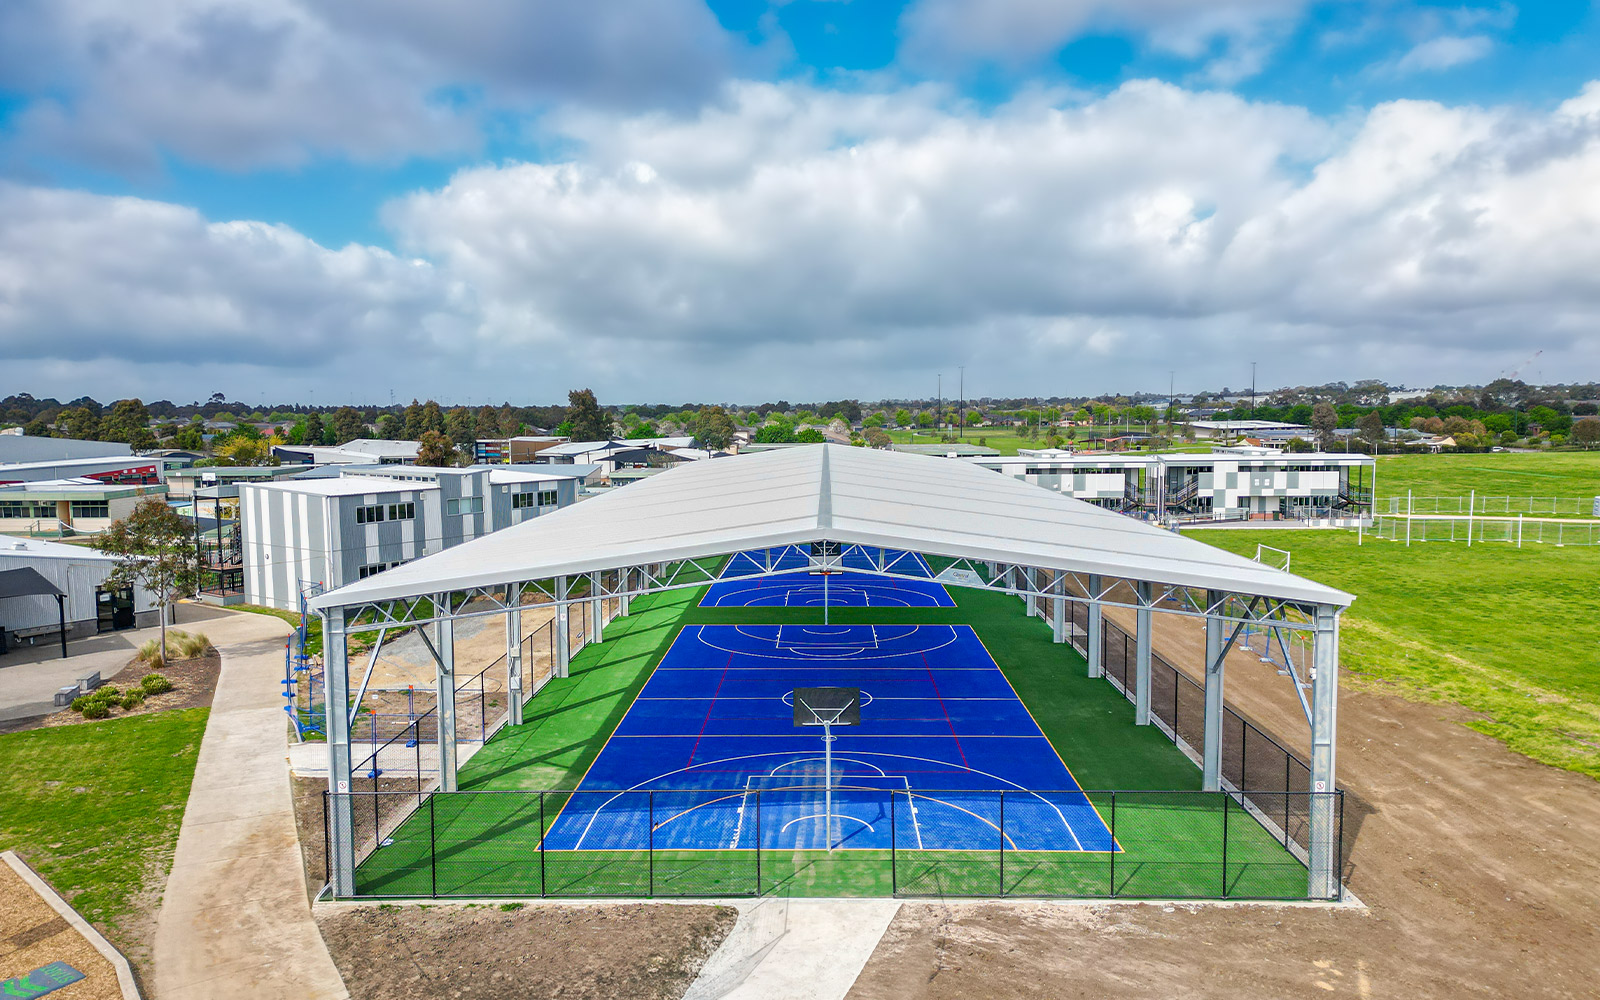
x: 1172, y: 836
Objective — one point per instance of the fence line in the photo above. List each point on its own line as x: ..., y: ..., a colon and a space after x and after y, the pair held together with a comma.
x: 995, y: 843
x: 1516, y: 531
x: 1479, y: 504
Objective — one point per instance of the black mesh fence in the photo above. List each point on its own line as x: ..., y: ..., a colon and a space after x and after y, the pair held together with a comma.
x: 710, y: 843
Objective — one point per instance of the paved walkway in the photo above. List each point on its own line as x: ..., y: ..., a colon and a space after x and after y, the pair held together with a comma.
x: 794, y: 949
x: 234, y: 922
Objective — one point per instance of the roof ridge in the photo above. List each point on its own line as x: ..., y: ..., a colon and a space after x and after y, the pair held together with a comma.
x: 824, y: 494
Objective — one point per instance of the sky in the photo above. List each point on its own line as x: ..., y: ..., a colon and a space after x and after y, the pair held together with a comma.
x: 340, y: 201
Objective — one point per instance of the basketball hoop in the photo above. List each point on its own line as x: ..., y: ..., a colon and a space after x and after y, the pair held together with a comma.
x: 827, y: 707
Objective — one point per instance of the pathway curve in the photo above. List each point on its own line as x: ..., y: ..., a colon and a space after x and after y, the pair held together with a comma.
x: 234, y: 921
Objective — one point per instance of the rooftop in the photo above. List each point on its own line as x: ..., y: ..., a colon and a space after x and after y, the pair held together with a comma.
x: 849, y: 495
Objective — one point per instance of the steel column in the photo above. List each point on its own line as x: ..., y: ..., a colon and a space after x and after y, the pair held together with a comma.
x: 1141, y: 657
x: 445, y: 691
x: 624, y: 584
x: 341, y: 819
x: 1030, y: 577
x: 514, y: 665
x: 1324, y: 847
x: 1094, y: 640
x: 597, y: 609
x: 1058, y: 606
x: 561, y: 630
x: 1211, y: 749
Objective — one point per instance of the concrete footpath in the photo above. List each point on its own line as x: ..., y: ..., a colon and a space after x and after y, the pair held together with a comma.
x: 234, y: 921
x: 794, y: 949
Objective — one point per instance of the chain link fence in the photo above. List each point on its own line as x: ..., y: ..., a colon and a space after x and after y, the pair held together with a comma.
x: 1470, y: 504
x: 715, y: 843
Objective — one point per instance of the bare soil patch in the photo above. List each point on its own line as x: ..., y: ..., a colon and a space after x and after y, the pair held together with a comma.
x: 1481, y: 869
x: 32, y: 935
x: 603, y: 952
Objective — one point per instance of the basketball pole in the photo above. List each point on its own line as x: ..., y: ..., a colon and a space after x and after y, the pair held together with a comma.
x: 827, y: 782
x: 825, y: 599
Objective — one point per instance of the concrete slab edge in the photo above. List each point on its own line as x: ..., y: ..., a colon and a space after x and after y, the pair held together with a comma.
x: 1349, y: 902
x: 130, y: 991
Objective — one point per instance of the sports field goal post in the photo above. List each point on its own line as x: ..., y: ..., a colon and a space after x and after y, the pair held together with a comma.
x: 1272, y: 557
x: 827, y: 707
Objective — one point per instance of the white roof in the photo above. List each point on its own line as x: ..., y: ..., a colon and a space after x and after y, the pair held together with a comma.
x: 345, y: 486
x: 501, y: 477
x: 38, y: 548
x: 851, y: 495
x: 578, y: 447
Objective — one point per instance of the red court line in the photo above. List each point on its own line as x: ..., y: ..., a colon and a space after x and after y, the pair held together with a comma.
x: 946, y: 709
x: 709, y: 707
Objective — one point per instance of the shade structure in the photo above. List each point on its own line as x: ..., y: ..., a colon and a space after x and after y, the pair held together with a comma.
x: 26, y: 582
x: 836, y: 493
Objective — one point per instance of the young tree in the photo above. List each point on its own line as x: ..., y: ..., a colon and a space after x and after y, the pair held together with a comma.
x: 902, y: 417
x: 589, y: 422
x: 154, y: 547
x: 436, y: 450
x: 1324, y: 420
x: 245, y: 450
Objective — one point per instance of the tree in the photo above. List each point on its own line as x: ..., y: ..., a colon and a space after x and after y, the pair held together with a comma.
x: 315, y: 432
x: 243, y: 449
x: 713, y: 428
x: 1370, y: 428
x: 436, y: 450
x: 347, y: 425
x: 432, y: 418
x: 902, y: 417
x: 1324, y: 420
x: 775, y: 431
x: 190, y: 439
x: 461, y: 426
x: 876, y: 437
x: 810, y: 436
x: 390, y: 427
x: 154, y: 547
x: 414, y: 426
x: 1586, y: 432
x: 128, y: 422
x: 589, y: 422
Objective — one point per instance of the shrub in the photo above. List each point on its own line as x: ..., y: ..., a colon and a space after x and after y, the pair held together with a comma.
x: 187, y: 645
x: 80, y: 701
x: 133, y: 699
x: 96, y: 710
x: 155, y: 684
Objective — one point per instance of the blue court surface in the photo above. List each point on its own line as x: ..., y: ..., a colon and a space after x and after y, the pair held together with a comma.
x: 738, y: 588
x: 712, y: 734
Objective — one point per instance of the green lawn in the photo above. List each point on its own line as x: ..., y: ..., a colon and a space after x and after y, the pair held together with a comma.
x: 95, y: 808
x: 1515, y: 474
x: 1512, y: 633
x: 1171, y: 835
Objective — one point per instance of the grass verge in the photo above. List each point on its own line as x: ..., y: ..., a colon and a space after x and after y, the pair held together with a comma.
x: 1509, y: 633
x: 95, y: 808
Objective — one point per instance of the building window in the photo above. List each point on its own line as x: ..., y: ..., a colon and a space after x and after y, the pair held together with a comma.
x: 91, y: 508
x: 547, y: 498
x: 464, y: 505
x: 26, y: 508
x: 522, y: 500
x: 374, y: 568
x: 402, y: 511
x: 369, y: 515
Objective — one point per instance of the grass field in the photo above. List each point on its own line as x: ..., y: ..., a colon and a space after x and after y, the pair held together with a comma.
x: 1511, y: 633
x: 1516, y: 474
x: 1172, y: 836
x: 95, y: 808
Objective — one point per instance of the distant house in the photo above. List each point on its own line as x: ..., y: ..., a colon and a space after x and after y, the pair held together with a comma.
x: 361, y: 451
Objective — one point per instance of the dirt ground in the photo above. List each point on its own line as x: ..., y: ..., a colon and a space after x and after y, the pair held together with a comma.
x: 32, y: 935
x: 603, y: 952
x: 1480, y: 868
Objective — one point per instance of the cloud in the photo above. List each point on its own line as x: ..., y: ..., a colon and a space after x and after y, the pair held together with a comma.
x: 945, y: 33
x: 1444, y: 52
x: 244, y: 83
x: 795, y: 242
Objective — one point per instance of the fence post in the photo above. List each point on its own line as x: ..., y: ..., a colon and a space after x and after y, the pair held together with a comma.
x: 542, y: 889
x: 327, y: 851
x: 652, y: 843
x: 758, y: 842
x: 1288, y: 779
x: 1002, y: 841
x: 1113, y: 843
x: 894, y: 875
x: 433, y: 853
x: 1225, y: 800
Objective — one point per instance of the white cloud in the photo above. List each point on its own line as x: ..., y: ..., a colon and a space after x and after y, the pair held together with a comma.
x: 241, y: 83
x: 1444, y: 52
x: 794, y: 242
